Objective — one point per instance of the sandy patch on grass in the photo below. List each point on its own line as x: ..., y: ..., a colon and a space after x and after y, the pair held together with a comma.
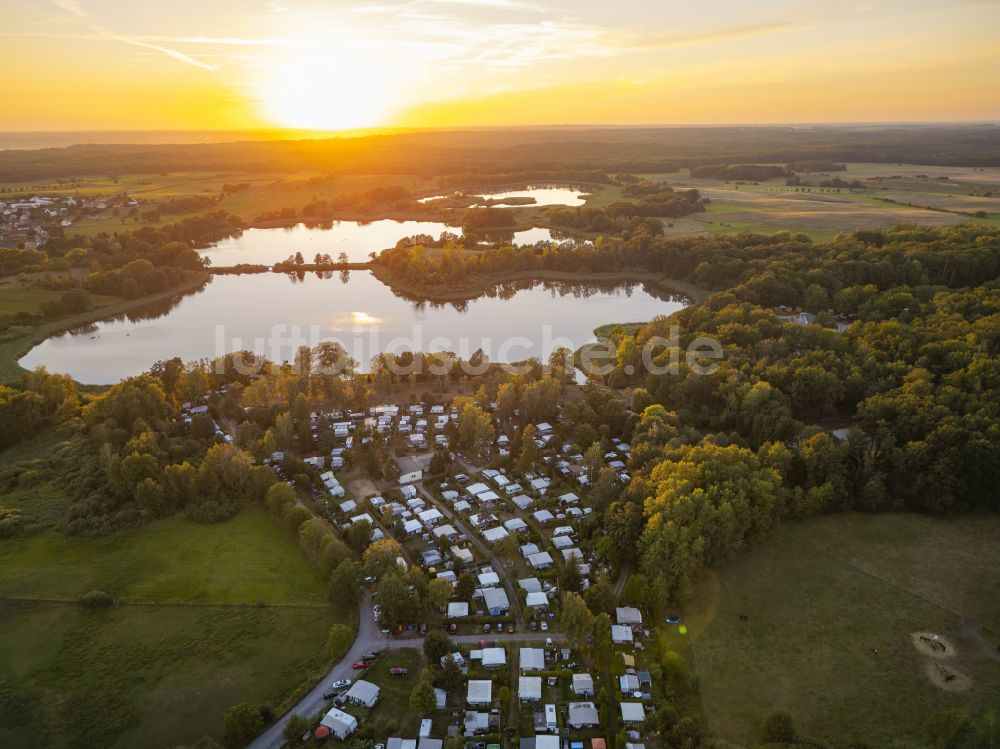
x: 933, y: 644
x: 947, y: 677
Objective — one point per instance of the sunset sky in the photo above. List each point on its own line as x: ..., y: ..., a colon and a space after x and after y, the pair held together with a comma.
x: 342, y: 64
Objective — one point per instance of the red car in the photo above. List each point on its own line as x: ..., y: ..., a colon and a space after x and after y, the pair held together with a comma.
x: 359, y: 665
x: 398, y: 671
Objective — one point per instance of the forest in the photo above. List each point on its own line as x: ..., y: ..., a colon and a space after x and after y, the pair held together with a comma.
x: 564, y: 153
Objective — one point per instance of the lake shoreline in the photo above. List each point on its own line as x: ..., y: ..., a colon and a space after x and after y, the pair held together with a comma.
x: 481, y: 284
x: 11, y: 352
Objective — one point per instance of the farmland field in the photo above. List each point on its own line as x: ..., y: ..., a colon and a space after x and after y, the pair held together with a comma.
x: 212, y: 615
x: 820, y: 595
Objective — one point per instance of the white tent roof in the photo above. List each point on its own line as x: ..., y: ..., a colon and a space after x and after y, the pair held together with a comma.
x: 544, y: 516
x: 494, y: 657
x: 530, y: 584
x: 339, y: 722
x: 621, y: 633
x: 493, y: 535
x: 583, y: 684
x: 363, y: 692
x: 495, y: 598
x: 412, y: 526
x: 458, y: 609
x: 628, y: 615
x: 488, y: 579
x: 480, y: 692
x: 532, y: 659
x: 546, y: 741
x: 529, y: 688
x: 540, y: 560
x: 515, y: 524
x: 633, y: 712
x: 537, y: 600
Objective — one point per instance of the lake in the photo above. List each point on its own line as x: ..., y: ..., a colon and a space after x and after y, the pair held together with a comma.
x: 540, y: 194
x: 273, y: 314
x: 269, y: 246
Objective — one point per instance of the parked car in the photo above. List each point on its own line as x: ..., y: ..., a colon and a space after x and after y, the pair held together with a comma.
x: 487, y: 628
x: 398, y: 671
x: 359, y: 665
x: 369, y: 656
x: 423, y: 628
x: 510, y: 628
x: 452, y: 628
x: 545, y: 626
x: 341, y: 684
x: 534, y: 626
x: 329, y: 695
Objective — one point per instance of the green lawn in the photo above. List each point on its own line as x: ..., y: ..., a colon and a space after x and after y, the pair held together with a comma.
x: 819, y: 595
x: 243, y: 560
x: 161, y: 672
x: 141, y: 676
x: 392, y: 715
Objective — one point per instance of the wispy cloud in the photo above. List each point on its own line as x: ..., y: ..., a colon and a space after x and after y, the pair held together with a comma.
x: 710, y: 36
x: 75, y: 9
x: 72, y: 7
x: 173, y: 53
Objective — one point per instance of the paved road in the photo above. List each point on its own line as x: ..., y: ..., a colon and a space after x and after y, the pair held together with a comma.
x: 470, y: 534
x: 370, y: 638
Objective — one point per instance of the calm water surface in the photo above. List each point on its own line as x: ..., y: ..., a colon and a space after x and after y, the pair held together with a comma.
x: 269, y: 246
x: 273, y: 314
x: 542, y: 195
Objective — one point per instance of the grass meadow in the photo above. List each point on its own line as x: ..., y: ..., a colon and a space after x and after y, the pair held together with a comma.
x: 819, y: 596
x: 211, y: 615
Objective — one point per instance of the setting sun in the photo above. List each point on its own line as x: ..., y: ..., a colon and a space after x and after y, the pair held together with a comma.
x: 328, y: 85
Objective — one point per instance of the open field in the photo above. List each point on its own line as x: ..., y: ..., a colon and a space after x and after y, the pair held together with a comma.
x: 819, y: 595
x: 144, y: 676
x: 189, y: 641
x: 892, y: 194
x: 241, y: 561
x: 17, y: 297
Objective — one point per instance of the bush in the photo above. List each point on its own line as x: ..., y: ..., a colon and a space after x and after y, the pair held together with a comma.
x: 96, y: 599
x: 778, y: 728
x: 339, y: 641
x: 241, y: 725
x: 294, y: 516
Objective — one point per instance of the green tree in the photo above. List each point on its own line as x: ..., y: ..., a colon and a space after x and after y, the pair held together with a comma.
x: 397, y: 603
x: 346, y: 581
x: 422, y: 699
x: 450, y: 678
x: 530, y: 454
x: 381, y: 556
x: 570, y: 579
x: 295, y: 729
x: 576, y: 620
x: 359, y: 535
x: 279, y: 496
x: 241, y: 725
x: 437, y: 644
x: 339, y: 641
x: 778, y: 728
x: 465, y: 586
x: 439, y: 592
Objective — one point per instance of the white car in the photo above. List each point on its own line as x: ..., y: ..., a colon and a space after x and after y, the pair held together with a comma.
x: 545, y: 626
x: 341, y: 684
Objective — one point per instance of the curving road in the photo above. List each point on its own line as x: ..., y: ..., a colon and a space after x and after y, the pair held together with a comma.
x: 369, y: 637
